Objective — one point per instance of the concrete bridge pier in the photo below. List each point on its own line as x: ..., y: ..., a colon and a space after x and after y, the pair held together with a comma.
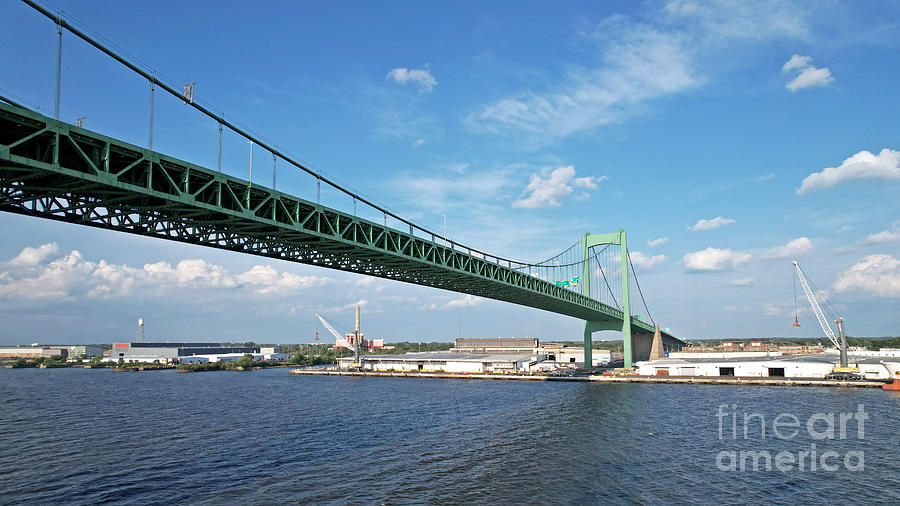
x: 637, y: 347
x: 646, y: 346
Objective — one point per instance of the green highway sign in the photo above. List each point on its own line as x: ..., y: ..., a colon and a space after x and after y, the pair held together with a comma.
x: 574, y: 282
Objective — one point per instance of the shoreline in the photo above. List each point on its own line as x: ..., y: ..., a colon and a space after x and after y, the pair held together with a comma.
x: 685, y: 380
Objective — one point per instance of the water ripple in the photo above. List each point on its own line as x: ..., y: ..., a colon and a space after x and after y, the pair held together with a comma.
x: 79, y: 436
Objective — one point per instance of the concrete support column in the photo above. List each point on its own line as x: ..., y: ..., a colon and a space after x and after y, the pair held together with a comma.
x: 588, y: 333
x: 642, y: 345
x: 657, y: 350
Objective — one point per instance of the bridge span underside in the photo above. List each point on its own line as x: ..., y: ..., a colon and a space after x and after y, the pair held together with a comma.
x: 53, y: 170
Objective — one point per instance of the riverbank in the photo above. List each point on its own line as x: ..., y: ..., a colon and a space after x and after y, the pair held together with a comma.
x: 138, y: 368
x: 689, y: 380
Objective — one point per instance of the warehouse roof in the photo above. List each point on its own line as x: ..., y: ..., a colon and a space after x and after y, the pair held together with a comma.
x: 441, y: 356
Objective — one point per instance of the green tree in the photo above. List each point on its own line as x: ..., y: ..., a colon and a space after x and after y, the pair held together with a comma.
x: 245, y: 361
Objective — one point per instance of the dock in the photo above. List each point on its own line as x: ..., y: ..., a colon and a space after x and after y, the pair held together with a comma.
x: 683, y: 380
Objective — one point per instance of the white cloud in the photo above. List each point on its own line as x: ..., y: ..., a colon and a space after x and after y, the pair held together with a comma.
x: 773, y: 309
x: 548, y: 191
x: 33, y: 256
x: 809, y: 75
x: 782, y: 309
x: 477, y: 203
x: 640, y: 63
x: 265, y: 280
x: 710, y: 224
x: 656, y: 242
x: 458, y: 190
x: 793, y: 249
x: 71, y: 276
x: 642, y: 260
x: 586, y: 182
x: 421, y: 77
x: 884, y: 237
x: 766, y: 177
x: 393, y: 113
x: 722, y: 20
x: 325, y: 310
x: 743, y: 282
x: 467, y: 301
x: 862, y: 165
x: 667, y: 53
x: 454, y: 304
x: 844, y: 250
x: 713, y: 260
x: 796, y: 62
x: 202, y: 273
x: 877, y: 275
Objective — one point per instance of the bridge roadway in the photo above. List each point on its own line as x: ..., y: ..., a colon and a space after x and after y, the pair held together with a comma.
x: 54, y: 170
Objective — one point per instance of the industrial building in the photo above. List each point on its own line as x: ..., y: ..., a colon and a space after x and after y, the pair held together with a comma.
x: 485, y: 355
x: 756, y: 346
x: 175, y: 352
x: 809, y: 366
x: 84, y: 351
x: 564, y: 355
x: 442, y: 361
x: 264, y: 354
x: 496, y: 345
x: 29, y: 352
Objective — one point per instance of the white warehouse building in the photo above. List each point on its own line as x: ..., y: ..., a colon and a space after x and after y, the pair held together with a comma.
x: 794, y: 366
x: 446, y: 362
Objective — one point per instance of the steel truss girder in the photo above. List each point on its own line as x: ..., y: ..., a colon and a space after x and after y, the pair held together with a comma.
x: 52, y: 170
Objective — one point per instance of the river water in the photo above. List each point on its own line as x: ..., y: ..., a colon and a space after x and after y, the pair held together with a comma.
x: 78, y: 436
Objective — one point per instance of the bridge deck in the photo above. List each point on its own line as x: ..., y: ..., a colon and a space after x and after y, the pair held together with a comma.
x: 53, y: 170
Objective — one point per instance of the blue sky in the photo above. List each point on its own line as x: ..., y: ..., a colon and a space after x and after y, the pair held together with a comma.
x: 725, y: 137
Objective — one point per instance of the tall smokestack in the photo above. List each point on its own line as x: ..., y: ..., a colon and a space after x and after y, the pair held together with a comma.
x: 356, y: 339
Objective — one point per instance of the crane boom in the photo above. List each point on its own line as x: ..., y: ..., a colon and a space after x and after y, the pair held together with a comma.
x: 814, y: 302
x: 340, y: 341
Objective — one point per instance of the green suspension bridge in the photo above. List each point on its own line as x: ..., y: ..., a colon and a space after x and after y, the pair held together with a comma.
x: 52, y: 169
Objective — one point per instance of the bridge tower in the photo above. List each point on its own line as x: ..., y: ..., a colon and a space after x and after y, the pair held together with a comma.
x: 619, y: 239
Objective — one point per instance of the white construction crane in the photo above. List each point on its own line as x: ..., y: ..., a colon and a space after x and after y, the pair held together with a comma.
x: 840, y: 340
x: 340, y: 341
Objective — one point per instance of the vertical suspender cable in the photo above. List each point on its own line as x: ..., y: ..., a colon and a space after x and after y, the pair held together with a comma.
x: 219, y: 164
x: 152, y: 93
x: 58, y: 67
